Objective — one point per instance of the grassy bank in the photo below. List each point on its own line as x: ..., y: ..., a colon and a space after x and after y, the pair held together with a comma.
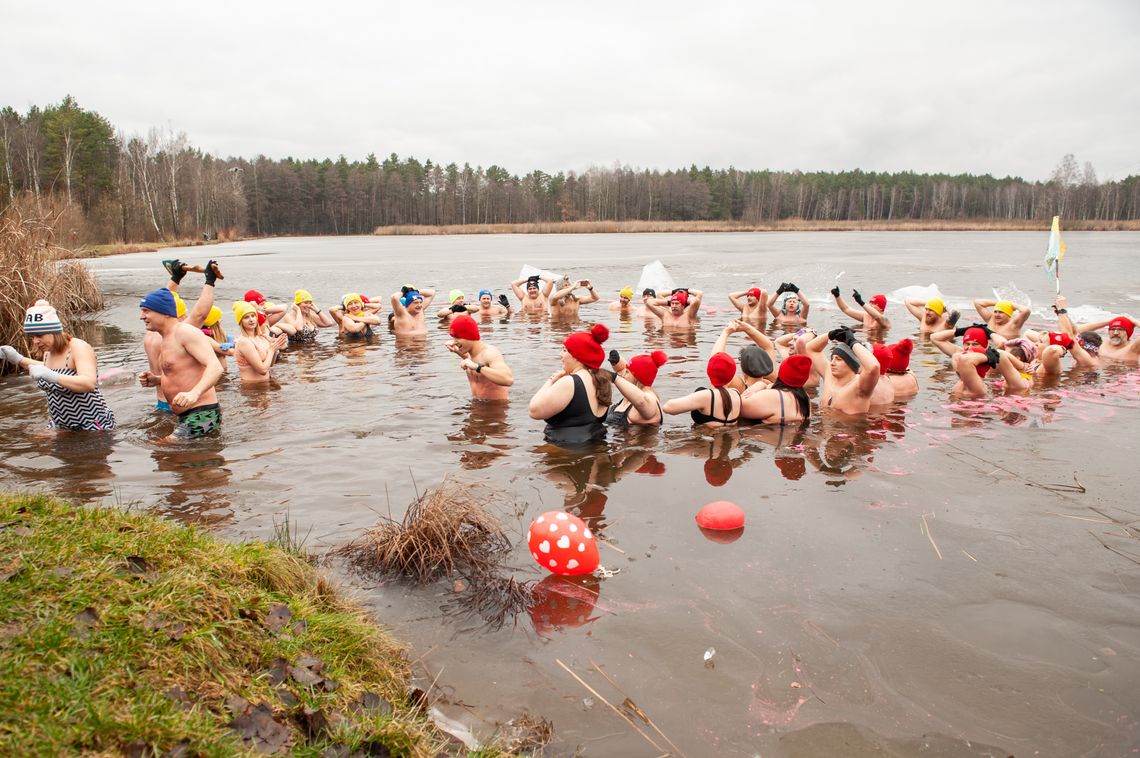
x: 787, y: 225
x: 122, y: 633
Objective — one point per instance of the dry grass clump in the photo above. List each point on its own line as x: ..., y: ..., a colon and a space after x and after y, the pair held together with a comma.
x: 495, y: 599
x: 32, y: 267
x: 447, y: 531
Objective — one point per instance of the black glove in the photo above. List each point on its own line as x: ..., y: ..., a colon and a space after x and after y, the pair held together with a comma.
x: 993, y: 357
x: 835, y: 291
x: 504, y: 302
x: 459, y: 308
x: 680, y: 289
x: 793, y: 288
x: 782, y: 288
x: 857, y: 297
x: 211, y: 275
x: 953, y: 318
x: 842, y: 334
x: 177, y: 271
x: 960, y: 331
x: 406, y: 289
x: 615, y: 358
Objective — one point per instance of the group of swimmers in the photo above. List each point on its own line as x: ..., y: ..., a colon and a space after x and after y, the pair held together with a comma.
x: 769, y: 382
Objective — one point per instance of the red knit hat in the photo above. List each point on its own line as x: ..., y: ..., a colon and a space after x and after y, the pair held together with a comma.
x: 260, y: 318
x: 1122, y: 322
x: 680, y: 296
x: 1060, y: 338
x: 644, y: 367
x: 464, y: 328
x: 885, y: 355
x: 902, y: 350
x: 754, y: 292
x: 253, y: 296
x: 978, y: 335
x: 879, y: 301
x: 586, y: 347
x: 721, y: 369
x: 795, y: 370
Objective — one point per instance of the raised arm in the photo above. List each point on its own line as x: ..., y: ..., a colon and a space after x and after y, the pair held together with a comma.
x: 761, y: 339
x: 847, y: 309
x: 694, y: 309
x: 694, y: 401
x: 646, y: 407
x: 985, y: 308
x: 397, y: 307
x: 592, y: 297
x: 1021, y: 314
x: 876, y: 314
x: 944, y: 341
x: 868, y: 372
x: 655, y: 308
x: 563, y: 292
x: 917, y: 308
x: 735, y: 299
x: 546, y: 290
x: 516, y: 287
x: 805, y: 304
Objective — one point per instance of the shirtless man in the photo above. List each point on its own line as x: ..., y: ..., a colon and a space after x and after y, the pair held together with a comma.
x: 750, y: 303
x: 894, y: 365
x: 683, y: 312
x: 408, y: 311
x: 352, y: 318
x: 533, y: 301
x: 648, y: 295
x: 196, y: 316
x: 487, y: 372
x: 851, y: 375
x: 975, y: 358
x: 932, y: 315
x: 1120, y: 346
x: 793, y: 311
x: 871, y: 316
x: 564, y: 303
x: 188, y: 369
x: 488, y: 308
x: 624, y: 304
x: 1002, y: 317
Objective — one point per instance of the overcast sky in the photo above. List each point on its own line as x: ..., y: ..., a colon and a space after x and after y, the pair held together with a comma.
x: 980, y: 87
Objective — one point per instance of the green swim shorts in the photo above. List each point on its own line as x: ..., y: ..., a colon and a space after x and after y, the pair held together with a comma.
x: 198, y: 422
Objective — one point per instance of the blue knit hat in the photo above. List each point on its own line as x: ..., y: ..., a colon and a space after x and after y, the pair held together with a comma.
x: 41, y: 318
x: 160, y: 301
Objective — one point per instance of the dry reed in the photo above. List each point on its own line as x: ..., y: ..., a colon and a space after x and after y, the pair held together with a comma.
x: 447, y: 531
x: 783, y: 225
x: 33, y: 267
x: 495, y: 599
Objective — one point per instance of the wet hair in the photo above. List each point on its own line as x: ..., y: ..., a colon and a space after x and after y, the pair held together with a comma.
x: 603, y: 385
x: 1090, y: 341
x: 799, y: 394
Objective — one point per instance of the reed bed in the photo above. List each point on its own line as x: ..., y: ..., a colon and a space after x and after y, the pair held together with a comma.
x: 447, y: 531
x: 785, y: 225
x: 33, y: 267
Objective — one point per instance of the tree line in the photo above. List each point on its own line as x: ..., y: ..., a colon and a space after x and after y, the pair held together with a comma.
x: 129, y: 188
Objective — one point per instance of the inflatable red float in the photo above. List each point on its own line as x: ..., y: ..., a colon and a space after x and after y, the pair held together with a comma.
x: 561, y: 544
x: 721, y: 515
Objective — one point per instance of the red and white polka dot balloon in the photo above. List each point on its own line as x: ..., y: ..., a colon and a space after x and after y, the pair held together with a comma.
x: 562, y: 544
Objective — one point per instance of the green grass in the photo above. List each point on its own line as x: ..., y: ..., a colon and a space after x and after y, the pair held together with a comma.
x: 193, y: 616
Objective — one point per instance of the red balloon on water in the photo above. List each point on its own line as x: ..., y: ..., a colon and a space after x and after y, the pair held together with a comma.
x: 562, y: 544
x: 721, y: 515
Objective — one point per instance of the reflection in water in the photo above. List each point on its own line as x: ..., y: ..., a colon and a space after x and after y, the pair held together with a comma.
x: 715, y: 445
x: 584, y: 474
x: 484, y: 435
x: 562, y: 602
x: 842, y: 448
x: 197, y: 493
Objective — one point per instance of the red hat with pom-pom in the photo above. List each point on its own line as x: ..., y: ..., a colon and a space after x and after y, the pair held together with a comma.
x: 586, y: 347
x: 902, y: 350
x: 644, y: 367
x: 885, y: 355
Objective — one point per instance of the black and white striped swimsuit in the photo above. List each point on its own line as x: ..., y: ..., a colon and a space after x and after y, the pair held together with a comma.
x: 78, y: 411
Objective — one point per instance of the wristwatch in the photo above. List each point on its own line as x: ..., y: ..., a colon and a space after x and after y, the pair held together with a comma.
x: 478, y: 368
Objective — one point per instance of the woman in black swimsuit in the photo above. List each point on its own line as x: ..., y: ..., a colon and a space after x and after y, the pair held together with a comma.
x: 574, y: 400
x: 717, y: 406
x: 639, y: 404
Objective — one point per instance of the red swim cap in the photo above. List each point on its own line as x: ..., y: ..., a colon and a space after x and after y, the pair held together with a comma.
x: 681, y: 297
x: 721, y: 369
x: 1060, y: 338
x: 754, y: 292
x: 879, y: 301
x: 464, y: 328
x: 978, y: 335
x: 1121, y: 322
